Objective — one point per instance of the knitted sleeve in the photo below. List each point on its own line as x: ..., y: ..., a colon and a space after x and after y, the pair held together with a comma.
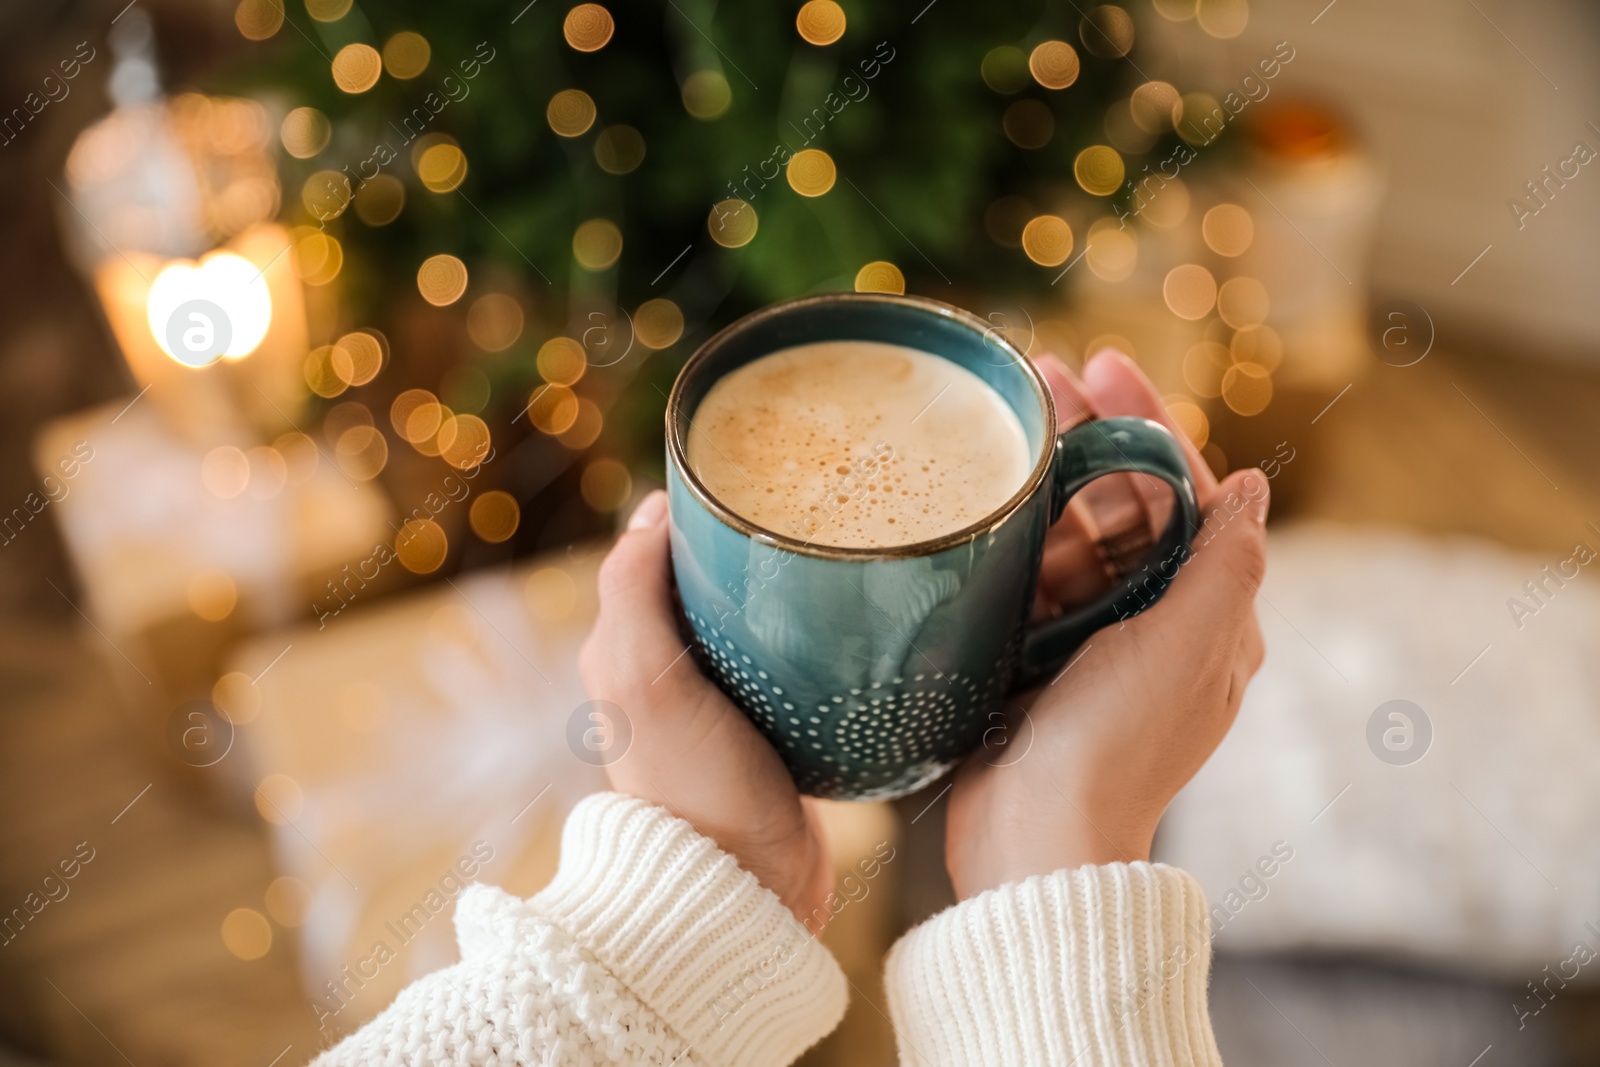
x: 650, y: 946
x: 1098, y: 966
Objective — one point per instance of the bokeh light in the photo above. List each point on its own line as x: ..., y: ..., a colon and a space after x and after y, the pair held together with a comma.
x: 619, y: 149
x: 356, y: 67
x: 380, y: 200
x: 406, y: 55
x: 1165, y: 206
x: 811, y: 172
x: 1047, y: 240
x: 442, y: 279
x: 551, y: 594
x: 658, y: 323
x: 237, y: 697
x: 588, y: 27
x: 246, y: 934
x: 1151, y: 106
x: 1190, y: 291
x: 328, y: 10
x: 268, y: 472
x: 1228, y: 229
x: 1260, y: 346
x: 820, y: 21
x: 1029, y: 124
x: 494, y: 516
x: 1112, y: 252
x: 553, y: 409
x: 597, y: 244
x: 707, y: 94
x: 288, y: 901
x: 1176, y: 10
x: 1107, y: 32
x: 421, y: 546
x: 494, y: 322
x: 1190, y: 419
x: 1123, y: 133
x: 1203, y: 367
x: 585, y: 428
x: 1198, y: 118
x: 880, y: 276
x: 258, y: 20
x: 224, y: 472
x: 405, y: 405
x: 1242, y: 302
x: 606, y: 485
x: 732, y: 223
x: 464, y: 441
x: 1247, y: 388
x: 561, y: 361
x: 362, y: 452
x: 442, y: 168
x: 279, y: 799
x: 305, y: 132
x: 1054, y: 64
x: 1224, y: 19
x: 1099, y: 170
x: 1005, y: 69
x: 320, y: 375
x: 570, y: 113
x: 465, y: 388
x: 211, y: 595
x: 326, y: 194
x: 357, y: 357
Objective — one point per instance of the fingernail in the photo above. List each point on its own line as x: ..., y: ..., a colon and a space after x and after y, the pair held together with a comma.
x: 651, y: 510
x: 1258, y: 490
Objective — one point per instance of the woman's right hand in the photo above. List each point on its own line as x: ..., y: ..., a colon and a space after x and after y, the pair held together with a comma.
x: 1141, y: 708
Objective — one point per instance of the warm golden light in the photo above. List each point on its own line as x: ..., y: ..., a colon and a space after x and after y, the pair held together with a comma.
x: 1247, y: 388
x: 811, y: 172
x: 1054, y: 64
x: 224, y: 472
x: 619, y: 149
x: 423, y: 425
x: 1029, y: 124
x: 1190, y: 291
x: 1099, y: 170
x: 551, y: 594
x: 880, y: 277
x: 1243, y: 302
x: 258, y: 20
x: 211, y: 595
x: 442, y: 168
x: 585, y: 428
x: 246, y: 934
x: 356, y: 67
x: 494, y: 516
x: 1228, y: 229
x: 606, y: 485
x: 1198, y: 118
x: 326, y: 194
x: 1112, y: 252
x: 380, y: 201
x: 588, y: 27
x: 219, y: 307
x: 658, y: 323
x: 494, y: 322
x: 305, y: 132
x: 1165, y: 206
x: 561, y: 361
x: 328, y: 10
x: 279, y: 799
x: 406, y: 55
x: 405, y: 405
x: 421, y: 546
x: 552, y: 409
x: 597, y: 244
x: 288, y: 901
x: 1203, y: 367
x: 357, y: 358
x: 820, y: 22
x: 571, y: 112
x: 321, y: 377
x: 707, y: 94
x: 1151, y: 106
x: 237, y: 697
x: 1175, y: 10
x: 362, y: 452
x: 1107, y: 32
x: 732, y: 223
x: 1190, y: 419
x: 442, y: 279
x: 1047, y: 240
x: 464, y: 441
x: 1223, y: 18
x: 1258, y: 345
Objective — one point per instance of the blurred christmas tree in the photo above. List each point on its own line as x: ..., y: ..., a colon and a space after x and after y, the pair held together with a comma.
x: 529, y: 200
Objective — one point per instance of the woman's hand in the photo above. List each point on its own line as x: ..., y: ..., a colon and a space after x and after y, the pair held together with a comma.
x: 1117, y: 734
x: 692, y: 751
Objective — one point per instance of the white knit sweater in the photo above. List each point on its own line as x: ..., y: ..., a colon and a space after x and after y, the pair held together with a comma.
x: 651, y: 946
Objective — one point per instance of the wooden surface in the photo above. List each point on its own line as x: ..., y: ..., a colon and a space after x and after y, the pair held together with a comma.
x: 130, y: 967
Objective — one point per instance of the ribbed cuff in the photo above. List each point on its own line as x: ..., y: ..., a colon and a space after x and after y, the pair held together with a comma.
x: 696, y: 938
x: 1104, y: 966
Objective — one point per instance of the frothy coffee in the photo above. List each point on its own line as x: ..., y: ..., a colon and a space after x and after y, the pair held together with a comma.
x: 858, y: 444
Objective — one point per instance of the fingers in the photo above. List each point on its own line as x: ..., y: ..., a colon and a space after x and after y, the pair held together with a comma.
x: 1213, y: 596
x: 636, y: 635
x: 1073, y: 405
x: 1116, y: 385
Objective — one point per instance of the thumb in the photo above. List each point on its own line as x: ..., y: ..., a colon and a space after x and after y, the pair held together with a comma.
x: 636, y: 635
x: 1217, y: 582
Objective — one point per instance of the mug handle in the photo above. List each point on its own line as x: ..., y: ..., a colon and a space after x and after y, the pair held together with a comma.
x: 1082, y: 454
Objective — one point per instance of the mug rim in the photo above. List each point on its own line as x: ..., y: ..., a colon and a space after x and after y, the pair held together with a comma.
x: 678, y: 454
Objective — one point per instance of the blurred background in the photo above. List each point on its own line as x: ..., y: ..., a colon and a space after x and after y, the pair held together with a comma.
x: 338, y: 337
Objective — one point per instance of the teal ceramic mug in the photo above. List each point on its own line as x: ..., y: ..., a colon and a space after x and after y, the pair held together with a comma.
x: 875, y: 670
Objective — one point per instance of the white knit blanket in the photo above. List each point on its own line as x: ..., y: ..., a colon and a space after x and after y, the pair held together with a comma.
x: 1484, y: 853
